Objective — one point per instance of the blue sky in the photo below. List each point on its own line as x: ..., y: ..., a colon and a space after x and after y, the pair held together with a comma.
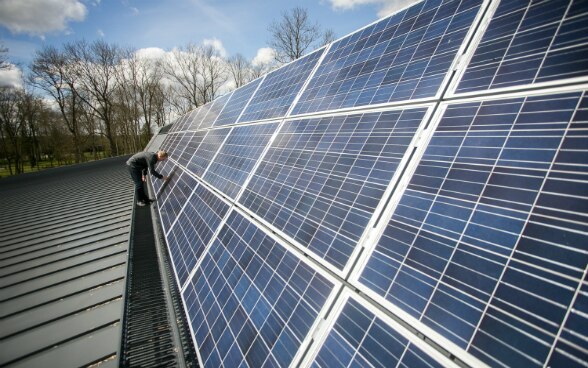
x: 235, y: 26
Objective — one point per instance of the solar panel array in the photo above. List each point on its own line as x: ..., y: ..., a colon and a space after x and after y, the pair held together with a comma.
x: 413, y: 194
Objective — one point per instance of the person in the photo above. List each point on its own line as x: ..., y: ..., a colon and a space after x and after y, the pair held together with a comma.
x: 138, y: 165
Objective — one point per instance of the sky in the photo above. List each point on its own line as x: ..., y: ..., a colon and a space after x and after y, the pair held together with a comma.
x: 158, y: 26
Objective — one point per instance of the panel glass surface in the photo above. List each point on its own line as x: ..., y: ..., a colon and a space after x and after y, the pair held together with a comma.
x: 237, y: 157
x: 359, y: 338
x: 173, y: 197
x: 164, y: 168
x: 194, y: 229
x: 252, y: 302
x: 403, y: 57
x: 530, y: 42
x: 279, y: 88
x: 188, y: 120
x: 205, y: 150
x: 172, y: 144
x: 489, y: 243
x: 191, y: 142
x: 236, y: 104
x: 322, y: 178
x: 214, y: 108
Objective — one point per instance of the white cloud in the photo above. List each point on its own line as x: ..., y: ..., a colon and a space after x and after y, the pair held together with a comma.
x: 265, y: 55
x: 386, y: 7
x: 100, y: 33
x: 37, y: 17
x: 217, y: 45
x: 11, y: 77
x: 151, y: 53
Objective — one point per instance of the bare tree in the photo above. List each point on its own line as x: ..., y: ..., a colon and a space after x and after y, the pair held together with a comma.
x: 293, y: 34
x: 214, y: 73
x: 4, y: 64
x: 183, y: 68
x: 95, y: 67
x: 52, y: 72
x: 239, y: 69
x: 328, y: 37
x: 9, y: 128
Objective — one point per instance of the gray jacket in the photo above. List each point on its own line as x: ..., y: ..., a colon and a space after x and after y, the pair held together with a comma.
x: 144, y: 161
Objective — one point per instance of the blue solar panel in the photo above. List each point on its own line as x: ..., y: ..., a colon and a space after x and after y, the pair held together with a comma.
x: 530, y: 42
x: 279, y: 89
x: 237, y: 103
x: 489, y: 243
x: 194, y: 229
x: 359, y: 338
x: 403, y: 57
x: 172, y: 144
x: 190, y: 141
x: 213, y: 109
x: 205, y: 150
x: 164, y: 168
x: 171, y: 200
x: 237, y: 157
x: 322, y: 178
x: 251, y: 302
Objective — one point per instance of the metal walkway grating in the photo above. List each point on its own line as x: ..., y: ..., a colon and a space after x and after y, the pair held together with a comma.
x: 149, y: 338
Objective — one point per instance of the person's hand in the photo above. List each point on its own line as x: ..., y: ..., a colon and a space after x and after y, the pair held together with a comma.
x: 165, y: 178
x: 143, y: 177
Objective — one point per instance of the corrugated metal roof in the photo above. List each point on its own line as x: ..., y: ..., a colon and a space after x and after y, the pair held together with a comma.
x: 64, y: 237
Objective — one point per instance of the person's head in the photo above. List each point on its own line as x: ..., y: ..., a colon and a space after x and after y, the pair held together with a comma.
x: 161, y: 155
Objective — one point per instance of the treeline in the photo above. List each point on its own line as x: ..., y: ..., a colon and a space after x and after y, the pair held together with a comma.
x: 87, y: 100
x: 106, y: 100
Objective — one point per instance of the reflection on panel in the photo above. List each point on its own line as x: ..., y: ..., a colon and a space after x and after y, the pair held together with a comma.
x: 530, y: 42
x: 359, y: 338
x: 173, y: 197
x: 205, y: 150
x: 403, y: 57
x: 279, y: 88
x: 213, y: 110
x: 322, y: 178
x: 489, y: 243
x: 194, y: 229
x: 237, y: 157
x: 236, y: 104
x: 252, y: 302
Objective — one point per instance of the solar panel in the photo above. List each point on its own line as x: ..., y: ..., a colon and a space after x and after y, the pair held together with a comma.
x: 172, y: 198
x: 362, y: 337
x: 530, y: 42
x: 213, y: 110
x: 413, y: 194
x: 237, y: 157
x: 204, y: 151
x: 237, y: 103
x: 488, y: 245
x: 403, y: 57
x: 193, y: 229
x: 251, y: 301
x: 322, y: 178
x: 279, y: 89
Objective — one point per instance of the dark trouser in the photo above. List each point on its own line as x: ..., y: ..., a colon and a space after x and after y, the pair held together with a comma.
x: 136, y: 175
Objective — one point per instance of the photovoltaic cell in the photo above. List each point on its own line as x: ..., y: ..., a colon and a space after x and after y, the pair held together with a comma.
x: 530, y: 42
x: 190, y: 141
x: 252, y: 302
x: 403, y: 57
x: 206, y: 150
x: 213, y: 110
x: 163, y: 167
x: 171, y: 200
x: 279, y: 89
x: 359, y: 338
x: 236, y: 104
x: 172, y: 144
x: 322, y: 178
x: 489, y: 242
x: 194, y: 229
x: 188, y: 120
x: 237, y: 157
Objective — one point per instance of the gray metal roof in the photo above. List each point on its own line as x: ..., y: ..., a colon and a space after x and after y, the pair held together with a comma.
x: 64, y: 236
